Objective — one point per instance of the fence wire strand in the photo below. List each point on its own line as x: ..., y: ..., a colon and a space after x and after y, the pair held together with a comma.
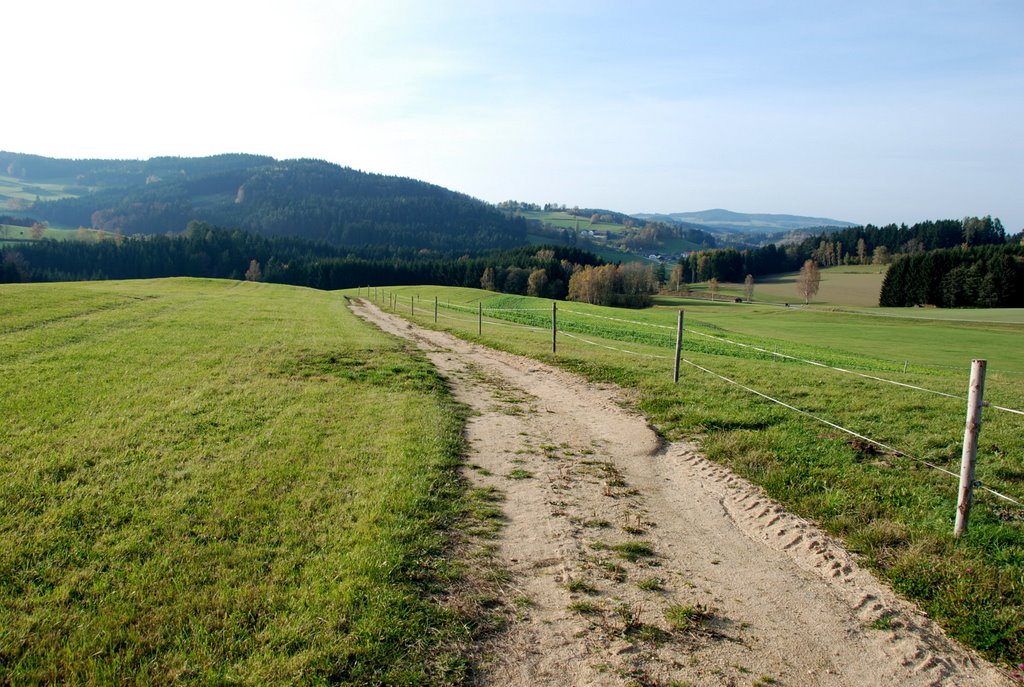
x: 892, y: 450
x: 613, y: 348
x: 834, y: 425
x: 798, y: 359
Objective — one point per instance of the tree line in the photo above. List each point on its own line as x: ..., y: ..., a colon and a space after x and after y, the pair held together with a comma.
x: 16, y: 221
x: 588, y: 280
x: 204, y: 250
x: 990, y: 276
x: 85, y: 174
x: 862, y: 245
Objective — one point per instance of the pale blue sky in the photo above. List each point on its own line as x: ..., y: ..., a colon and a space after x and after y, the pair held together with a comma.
x: 867, y: 111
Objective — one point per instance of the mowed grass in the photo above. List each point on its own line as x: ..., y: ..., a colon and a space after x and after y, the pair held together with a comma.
x: 566, y: 220
x: 209, y: 482
x: 894, y: 510
x: 946, y: 339
x: 854, y: 285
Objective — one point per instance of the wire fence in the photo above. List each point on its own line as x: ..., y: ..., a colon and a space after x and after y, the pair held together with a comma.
x: 540, y: 320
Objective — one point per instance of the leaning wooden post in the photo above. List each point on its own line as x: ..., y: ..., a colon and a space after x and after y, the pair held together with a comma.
x: 480, y: 319
x: 679, y: 347
x: 435, y: 309
x: 554, y: 325
x: 975, y: 398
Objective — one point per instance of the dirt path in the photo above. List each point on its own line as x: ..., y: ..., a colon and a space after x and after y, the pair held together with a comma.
x: 639, y: 562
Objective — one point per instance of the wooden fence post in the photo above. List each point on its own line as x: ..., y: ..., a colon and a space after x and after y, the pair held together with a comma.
x: 679, y: 347
x: 480, y: 318
x: 435, y: 309
x: 975, y: 399
x: 412, y: 306
x: 554, y: 325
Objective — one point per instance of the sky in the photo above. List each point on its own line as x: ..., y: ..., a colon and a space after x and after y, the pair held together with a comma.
x: 867, y: 112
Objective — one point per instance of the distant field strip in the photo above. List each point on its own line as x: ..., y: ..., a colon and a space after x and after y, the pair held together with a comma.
x: 945, y: 316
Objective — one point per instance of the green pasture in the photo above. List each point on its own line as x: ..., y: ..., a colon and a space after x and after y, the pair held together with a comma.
x: 984, y: 316
x: 677, y: 246
x: 565, y: 220
x: 212, y: 482
x: 854, y: 285
x: 891, y: 508
x: 21, y: 190
x: 882, y: 334
x: 9, y: 232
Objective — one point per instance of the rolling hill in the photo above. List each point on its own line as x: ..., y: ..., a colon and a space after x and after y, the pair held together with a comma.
x: 310, y: 199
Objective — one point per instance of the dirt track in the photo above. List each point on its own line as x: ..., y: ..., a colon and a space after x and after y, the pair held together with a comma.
x: 772, y: 599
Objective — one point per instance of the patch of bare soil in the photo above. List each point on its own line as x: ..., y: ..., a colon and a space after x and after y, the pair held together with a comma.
x: 638, y: 562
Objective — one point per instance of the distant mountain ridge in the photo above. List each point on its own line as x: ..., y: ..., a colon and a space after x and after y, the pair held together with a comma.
x: 310, y: 199
x: 746, y: 223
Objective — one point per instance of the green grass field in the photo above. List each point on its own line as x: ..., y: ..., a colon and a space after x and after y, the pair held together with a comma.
x: 852, y: 285
x: 893, y: 510
x: 885, y: 334
x: 11, y: 233
x: 18, y: 189
x: 566, y: 220
x: 211, y: 482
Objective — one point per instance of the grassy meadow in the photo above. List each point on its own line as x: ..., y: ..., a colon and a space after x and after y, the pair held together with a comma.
x: 893, y: 510
x: 852, y: 285
x: 12, y: 233
x: 19, y: 190
x: 566, y: 220
x: 209, y: 482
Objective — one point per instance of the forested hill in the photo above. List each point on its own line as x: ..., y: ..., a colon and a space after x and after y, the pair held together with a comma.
x: 311, y: 199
